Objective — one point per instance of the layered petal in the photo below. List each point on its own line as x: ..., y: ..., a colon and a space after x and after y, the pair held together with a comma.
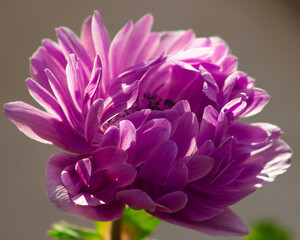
x: 42, y: 127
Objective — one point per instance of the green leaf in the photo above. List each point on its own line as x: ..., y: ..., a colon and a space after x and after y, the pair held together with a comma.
x: 63, y: 231
x: 136, y: 225
x: 268, y: 231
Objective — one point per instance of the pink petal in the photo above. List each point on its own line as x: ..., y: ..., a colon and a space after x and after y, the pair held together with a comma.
x: 42, y: 60
x: 87, y: 39
x: 182, y: 107
x: 247, y: 133
x: 101, y: 42
x: 71, y: 44
x: 93, y: 89
x: 116, y: 49
x: 42, y: 127
x: 45, y: 99
x: 186, y: 134
x: 173, y: 202
x: 256, y: 102
x: 127, y: 135
x: 174, y: 41
x: 111, y: 137
x: 122, y: 175
x: 76, y: 80
x: 92, y: 121
x: 151, y: 134
x: 138, y: 118
x: 56, y: 189
x: 86, y: 199
x: 197, y: 211
x: 276, y: 159
x: 198, y: 166
x: 136, y: 41
x: 158, y: 162
x: 177, y: 177
x: 120, y: 100
x: 137, y: 199
x: 55, y: 51
x: 224, y: 224
x: 208, y: 125
x: 64, y: 99
x: 84, y: 169
x: 37, y: 72
x: 107, y: 157
x: 149, y: 47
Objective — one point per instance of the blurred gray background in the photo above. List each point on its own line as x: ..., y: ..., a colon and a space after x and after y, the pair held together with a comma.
x: 264, y: 34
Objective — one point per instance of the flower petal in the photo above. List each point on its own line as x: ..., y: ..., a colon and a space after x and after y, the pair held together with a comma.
x: 54, y: 51
x: 186, y: 134
x: 40, y: 126
x: 177, y: 177
x: 86, y: 199
x: 56, y: 189
x: 276, y: 159
x: 122, y: 175
x: 76, y: 80
x: 136, y: 41
x: 224, y: 224
x: 93, y: 89
x: 116, y: 47
x: 197, y: 211
x: 182, y: 107
x: 84, y: 169
x: 172, y: 202
x: 208, y: 125
x: 159, y: 162
x: 120, y: 100
x: 71, y: 44
x: 198, y: 166
x: 45, y: 99
x: 138, y: 118
x: 247, y: 133
x: 174, y: 41
x: 137, y: 199
x: 256, y: 102
x: 87, y: 39
x: 170, y: 114
x: 101, y: 42
x: 43, y: 59
x: 107, y: 157
x: 151, y: 134
x: 92, y: 121
x: 127, y: 135
x: 65, y: 101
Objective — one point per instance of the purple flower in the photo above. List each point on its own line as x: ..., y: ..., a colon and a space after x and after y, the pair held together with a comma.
x: 153, y: 118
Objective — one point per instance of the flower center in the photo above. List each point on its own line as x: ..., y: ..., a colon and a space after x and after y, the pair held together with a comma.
x: 148, y: 101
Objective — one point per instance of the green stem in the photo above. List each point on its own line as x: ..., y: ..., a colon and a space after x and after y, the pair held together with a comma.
x: 116, y: 230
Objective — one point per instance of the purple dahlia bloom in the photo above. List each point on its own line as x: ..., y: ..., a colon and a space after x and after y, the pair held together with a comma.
x: 154, y: 119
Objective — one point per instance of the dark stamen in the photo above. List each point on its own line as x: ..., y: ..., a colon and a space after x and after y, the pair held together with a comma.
x: 148, y: 102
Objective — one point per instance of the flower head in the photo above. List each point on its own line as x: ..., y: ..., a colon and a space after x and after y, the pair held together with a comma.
x: 154, y: 121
